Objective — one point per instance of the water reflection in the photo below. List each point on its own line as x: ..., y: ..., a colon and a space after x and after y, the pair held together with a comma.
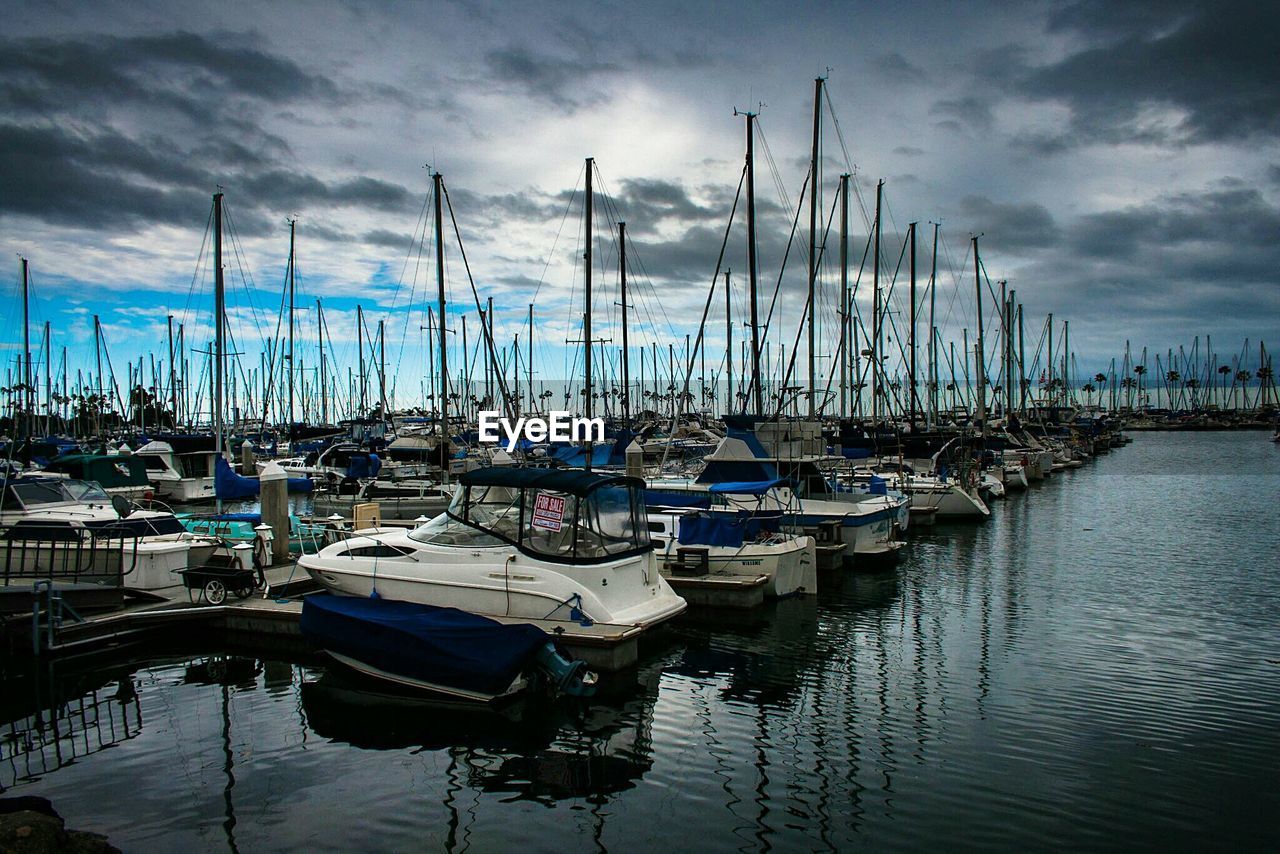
x: 51, y: 717
x: 1088, y: 669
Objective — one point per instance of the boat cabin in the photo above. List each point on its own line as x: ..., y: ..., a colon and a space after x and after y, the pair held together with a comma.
x: 550, y: 514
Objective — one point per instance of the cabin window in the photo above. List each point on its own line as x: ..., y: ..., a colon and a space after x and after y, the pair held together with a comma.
x: 380, y: 550
x: 613, y: 521
x: 153, y: 463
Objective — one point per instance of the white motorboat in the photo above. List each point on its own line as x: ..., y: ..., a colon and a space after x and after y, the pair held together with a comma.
x: 734, y: 547
x: 405, y: 499
x: 71, y: 529
x: 554, y: 546
x: 180, y: 475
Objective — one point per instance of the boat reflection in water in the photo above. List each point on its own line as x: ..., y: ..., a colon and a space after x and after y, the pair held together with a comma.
x: 527, y: 749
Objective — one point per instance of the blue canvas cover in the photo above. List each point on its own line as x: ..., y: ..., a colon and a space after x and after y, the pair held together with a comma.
x: 229, y: 486
x: 746, y: 487
x: 441, y: 646
x: 697, y: 529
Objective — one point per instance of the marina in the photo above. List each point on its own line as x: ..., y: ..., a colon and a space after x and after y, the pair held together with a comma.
x: 1127, y: 692
x: 489, y: 426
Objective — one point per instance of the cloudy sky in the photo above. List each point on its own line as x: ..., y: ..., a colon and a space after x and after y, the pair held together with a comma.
x: 1118, y: 158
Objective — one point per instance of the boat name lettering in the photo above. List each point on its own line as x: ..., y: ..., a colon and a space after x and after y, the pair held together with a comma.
x: 561, y: 426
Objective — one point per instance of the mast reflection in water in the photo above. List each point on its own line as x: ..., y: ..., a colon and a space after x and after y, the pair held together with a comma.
x: 1096, y: 666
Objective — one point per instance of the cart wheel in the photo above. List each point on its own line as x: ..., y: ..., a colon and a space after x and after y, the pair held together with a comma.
x: 215, y: 592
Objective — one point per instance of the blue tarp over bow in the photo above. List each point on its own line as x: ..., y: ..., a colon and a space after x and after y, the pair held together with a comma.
x: 441, y: 646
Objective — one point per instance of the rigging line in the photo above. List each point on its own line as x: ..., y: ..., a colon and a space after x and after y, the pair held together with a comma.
x: 808, y: 305
x: 706, y: 309
x: 196, y: 273
x: 499, y: 376
x: 563, y: 219
x: 795, y: 223
x: 850, y: 166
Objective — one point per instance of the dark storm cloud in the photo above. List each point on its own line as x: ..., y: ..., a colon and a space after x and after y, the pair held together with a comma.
x: 899, y: 69
x: 1010, y: 226
x: 908, y: 151
x: 71, y: 148
x: 50, y: 174
x: 1215, y: 65
x: 281, y: 188
x: 557, y: 80
x: 1189, y: 260
x: 387, y: 239
x: 971, y: 111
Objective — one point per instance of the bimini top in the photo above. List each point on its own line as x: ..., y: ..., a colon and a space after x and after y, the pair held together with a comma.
x: 572, y: 481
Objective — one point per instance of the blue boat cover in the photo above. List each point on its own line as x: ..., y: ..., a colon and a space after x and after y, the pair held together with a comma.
x: 666, y: 498
x: 717, y: 529
x: 441, y: 646
x: 878, y: 486
x: 750, y: 487
x: 229, y: 486
x: 363, y: 465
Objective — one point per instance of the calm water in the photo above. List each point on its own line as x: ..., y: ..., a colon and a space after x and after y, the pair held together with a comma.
x: 1097, y: 667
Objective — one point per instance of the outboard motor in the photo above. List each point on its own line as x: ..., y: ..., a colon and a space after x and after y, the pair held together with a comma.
x: 571, y: 678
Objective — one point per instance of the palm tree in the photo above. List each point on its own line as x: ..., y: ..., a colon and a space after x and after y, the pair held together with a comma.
x: 1141, y: 371
x: 1088, y: 389
x: 1224, y: 371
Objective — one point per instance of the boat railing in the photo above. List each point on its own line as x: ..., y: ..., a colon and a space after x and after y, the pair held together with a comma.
x: 101, y: 555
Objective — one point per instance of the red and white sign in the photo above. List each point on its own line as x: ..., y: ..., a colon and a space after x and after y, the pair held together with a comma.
x: 548, y: 512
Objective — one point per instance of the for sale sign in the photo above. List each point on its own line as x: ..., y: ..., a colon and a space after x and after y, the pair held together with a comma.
x: 548, y: 512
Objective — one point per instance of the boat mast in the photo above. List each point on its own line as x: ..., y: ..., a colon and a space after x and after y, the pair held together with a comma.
x: 360, y: 351
x: 442, y: 410
x: 933, y: 332
x: 324, y: 400
x: 844, y: 294
x: 813, y: 234
x: 292, y: 224
x: 752, y: 272
x: 529, y: 362
x: 48, y: 382
x: 586, y: 301
x: 911, y: 330
x: 875, y: 311
x: 26, y: 345
x: 219, y: 323
x: 728, y: 340
x: 626, y: 352
x: 978, y: 366
x: 382, y: 370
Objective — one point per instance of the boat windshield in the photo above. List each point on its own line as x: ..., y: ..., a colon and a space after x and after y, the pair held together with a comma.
x: 86, y: 491
x: 607, y: 522
x: 42, y: 492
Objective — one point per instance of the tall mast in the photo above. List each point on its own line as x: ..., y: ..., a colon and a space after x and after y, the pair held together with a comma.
x: 48, y: 382
x: 978, y: 366
x: 360, y: 351
x: 219, y: 322
x: 382, y: 369
x: 626, y: 351
x: 324, y: 399
x: 1022, y: 365
x: 875, y: 311
x: 933, y: 331
x: 844, y: 294
x: 26, y: 345
x: 529, y: 361
x: 752, y: 272
x: 728, y: 340
x: 442, y: 409
x: 1010, y: 355
x: 292, y: 224
x: 911, y: 346
x: 173, y: 385
x: 586, y: 296
x: 813, y: 234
